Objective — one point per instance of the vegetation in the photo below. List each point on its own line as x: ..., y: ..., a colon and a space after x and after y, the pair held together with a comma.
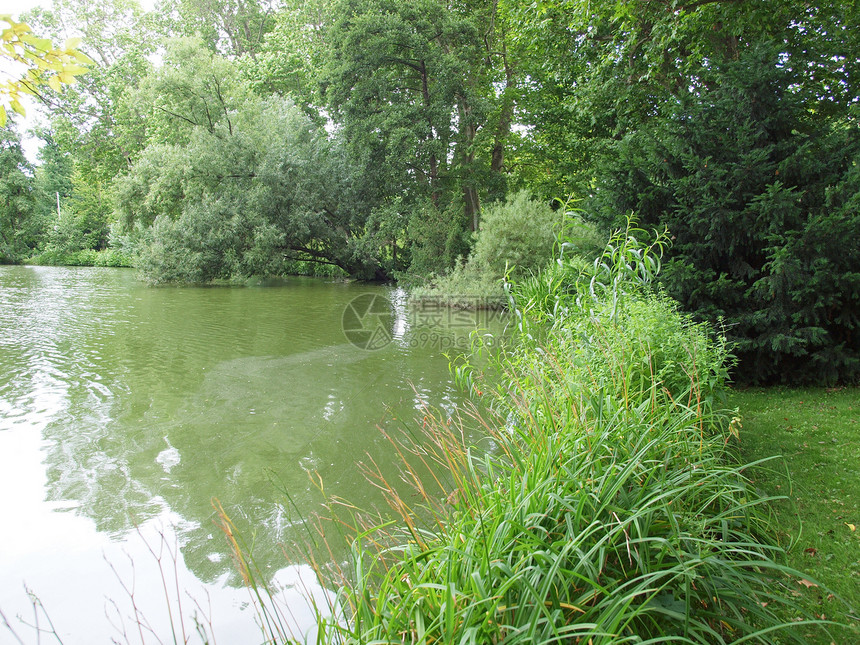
x: 608, y: 504
x: 373, y: 137
x: 31, y: 61
x: 421, y: 140
x: 516, y: 239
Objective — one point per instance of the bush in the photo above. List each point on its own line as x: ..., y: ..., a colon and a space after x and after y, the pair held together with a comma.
x: 517, y: 234
x: 516, y: 239
x: 465, y: 287
x: 82, y: 258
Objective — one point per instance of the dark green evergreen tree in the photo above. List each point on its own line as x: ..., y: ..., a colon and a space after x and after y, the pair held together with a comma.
x: 760, y: 194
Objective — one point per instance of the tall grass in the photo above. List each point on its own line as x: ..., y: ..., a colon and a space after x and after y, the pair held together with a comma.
x: 606, y: 504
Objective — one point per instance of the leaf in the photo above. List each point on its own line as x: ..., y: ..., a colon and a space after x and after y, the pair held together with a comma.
x: 2, y: 116
x: 851, y: 526
x: 806, y: 583
x: 75, y: 69
x: 54, y: 83
x: 42, y: 44
x: 83, y: 58
x: 72, y: 43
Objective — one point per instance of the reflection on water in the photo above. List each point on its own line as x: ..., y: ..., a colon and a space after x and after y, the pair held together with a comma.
x: 124, y: 408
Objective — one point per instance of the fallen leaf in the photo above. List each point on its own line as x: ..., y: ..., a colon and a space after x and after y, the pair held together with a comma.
x: 811, y: 550
x: 806, y: 583
x: 851, y: 526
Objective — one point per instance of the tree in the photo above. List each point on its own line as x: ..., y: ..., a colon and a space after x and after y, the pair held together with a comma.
x: 255, y: 200
x: 735, y: 125
x: 414, y: 87
x: 231, y: 28
x: 91, y: 121
x: 761, y: 196
x: 291, y: 58
x: 38, y: 62
x: 19, y: 225
x: 233, y: 185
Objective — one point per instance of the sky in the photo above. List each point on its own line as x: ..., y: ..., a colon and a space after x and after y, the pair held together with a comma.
x: 16, y: 7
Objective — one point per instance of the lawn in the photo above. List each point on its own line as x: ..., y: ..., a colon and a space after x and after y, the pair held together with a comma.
x: 817, y: 433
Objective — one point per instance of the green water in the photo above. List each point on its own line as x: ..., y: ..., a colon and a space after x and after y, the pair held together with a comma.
x: 125, y: 410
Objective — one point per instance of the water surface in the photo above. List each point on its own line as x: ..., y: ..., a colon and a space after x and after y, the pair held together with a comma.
x: 125, y: 410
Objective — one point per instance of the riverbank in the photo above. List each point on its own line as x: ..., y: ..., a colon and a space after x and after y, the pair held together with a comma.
x: 607, y: 504
x: 81, y: 258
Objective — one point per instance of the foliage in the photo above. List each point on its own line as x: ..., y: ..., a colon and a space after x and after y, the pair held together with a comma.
x: 731, y: 122
x: 240, y: 194
x: 20, y: 225
x: 414, y: 89
x: 39, y: 62
x: 232, y: 29
x: 761, y: 197
x: 89, y: 121
x: 466, y: 286
x: 608, y: 507
x: 516, y: 239
x: 292, y: 56
x: 53, y: 256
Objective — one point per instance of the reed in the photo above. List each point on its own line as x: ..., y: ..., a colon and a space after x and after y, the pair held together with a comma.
x: 606, y: 503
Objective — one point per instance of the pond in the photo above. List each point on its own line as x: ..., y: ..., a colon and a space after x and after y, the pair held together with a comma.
x: 126, y: 411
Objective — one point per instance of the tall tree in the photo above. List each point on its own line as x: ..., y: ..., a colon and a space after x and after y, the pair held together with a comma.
x: 414, y: 86
x: 20, y: 227
x: 232, y: 28
x: 232, y: 185
x: 89, y: 121
x: 734, y: 123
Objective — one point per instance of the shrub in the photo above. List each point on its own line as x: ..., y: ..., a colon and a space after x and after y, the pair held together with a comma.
x: 517, y: 234
x: 516, y: 239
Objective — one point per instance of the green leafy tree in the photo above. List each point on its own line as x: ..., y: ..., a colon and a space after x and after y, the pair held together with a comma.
x: 53, y: 177
x: 92, y: 130
x: 232, y: 185
x: 292, y: 56
x: 89, y: 121
x: 414, y: 88
x: 20, y: 226
x: 231, y: 28
x: 192, y: 88
x: 751, y: 160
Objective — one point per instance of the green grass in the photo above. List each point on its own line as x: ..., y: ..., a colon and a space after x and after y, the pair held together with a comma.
x: 817, y: 433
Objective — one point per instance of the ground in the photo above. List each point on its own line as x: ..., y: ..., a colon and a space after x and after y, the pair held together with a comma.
x: 816, y: 433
